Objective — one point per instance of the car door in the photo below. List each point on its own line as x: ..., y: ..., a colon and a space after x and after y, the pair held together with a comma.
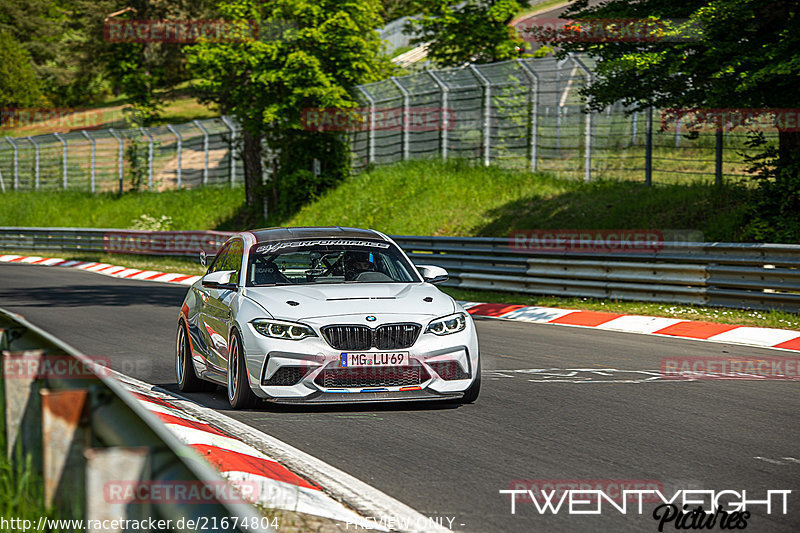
x: 203, y: 293
x: 217, y: 309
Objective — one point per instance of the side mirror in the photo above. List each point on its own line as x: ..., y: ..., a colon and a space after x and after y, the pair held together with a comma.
x: 219, y: 280
x: 433, y: 274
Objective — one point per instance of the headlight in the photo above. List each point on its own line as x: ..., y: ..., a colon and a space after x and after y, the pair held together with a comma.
x: 448, y: 324
x: 278, y: 329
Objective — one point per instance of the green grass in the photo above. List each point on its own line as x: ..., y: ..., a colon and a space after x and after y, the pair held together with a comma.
x: 203, y: 208
x: 432, y: 198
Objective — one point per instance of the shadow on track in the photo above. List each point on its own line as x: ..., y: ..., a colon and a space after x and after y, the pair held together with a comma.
x: 93, y: 295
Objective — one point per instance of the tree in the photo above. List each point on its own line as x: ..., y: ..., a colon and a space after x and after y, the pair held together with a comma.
x: 738, y: 54
x: 307, y: 54
x: 474, y: 31
x: 19, y: 86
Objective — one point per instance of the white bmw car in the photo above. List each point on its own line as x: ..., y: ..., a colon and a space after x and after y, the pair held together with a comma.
x: 324, y: 315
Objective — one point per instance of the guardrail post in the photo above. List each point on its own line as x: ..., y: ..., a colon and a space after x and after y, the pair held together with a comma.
x: 120, y: 161
x: 178, y: 152
x: 16, y: 161
x: 205, y: 150
x: 648, y: 148
x: 718, y: 157
x: 63, y: 158
x: 119, y: 465
x: 444, y: 99
x: 228, y: 123
x: 406, y: 117
x: 371, y: 136
x: 23, y: 404
x: 487, y: 108
x: 534, y: 111
x: 150, y: 143
x: 36, y: 161
x: 94, y: 157
x: 65, y: 436
x: 587, y: 143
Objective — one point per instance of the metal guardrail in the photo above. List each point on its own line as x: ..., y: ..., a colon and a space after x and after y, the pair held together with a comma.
x: 84, y: 432
x: 758, y: 276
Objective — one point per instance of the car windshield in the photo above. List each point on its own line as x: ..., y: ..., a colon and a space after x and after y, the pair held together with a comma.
x: 327, y: 261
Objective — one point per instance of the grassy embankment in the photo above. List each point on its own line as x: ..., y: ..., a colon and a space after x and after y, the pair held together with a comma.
x: 430, y: 198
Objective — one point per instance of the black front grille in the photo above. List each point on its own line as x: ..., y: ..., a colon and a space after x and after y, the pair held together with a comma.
x: 286, y: 376
x: 371, y: 376
x: 448, y: 370
x: 386, y: 337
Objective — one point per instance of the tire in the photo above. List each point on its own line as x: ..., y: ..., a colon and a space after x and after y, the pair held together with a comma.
x: 240, y: 395
x: 184, y: 369
x: 471, y: 394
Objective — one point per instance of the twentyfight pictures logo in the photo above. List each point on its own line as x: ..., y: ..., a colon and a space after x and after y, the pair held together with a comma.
x: 685, y: 509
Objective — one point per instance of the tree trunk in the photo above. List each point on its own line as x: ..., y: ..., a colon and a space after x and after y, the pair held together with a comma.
x: 788, y: 144
x: 251, y: 157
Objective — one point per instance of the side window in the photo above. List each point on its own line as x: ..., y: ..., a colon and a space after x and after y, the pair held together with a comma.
x: 219, y: 260
x: 233, y: 259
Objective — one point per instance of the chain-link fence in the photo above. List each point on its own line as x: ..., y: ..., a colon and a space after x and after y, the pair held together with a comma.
x: 525, y: 114
x: 192, y: 154
x: 529, y: 114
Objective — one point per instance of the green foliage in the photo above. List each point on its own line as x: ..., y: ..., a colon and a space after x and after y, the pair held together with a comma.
x: 19, y: 86
x: 729, y: 53
x: 774, y: 215
x: 475, y: 31
x: 308, y: 55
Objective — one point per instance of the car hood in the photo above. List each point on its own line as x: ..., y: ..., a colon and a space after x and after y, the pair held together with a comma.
x: 350, y: 299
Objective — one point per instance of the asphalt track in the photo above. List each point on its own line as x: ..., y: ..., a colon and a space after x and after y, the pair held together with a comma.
x: 451, y: 462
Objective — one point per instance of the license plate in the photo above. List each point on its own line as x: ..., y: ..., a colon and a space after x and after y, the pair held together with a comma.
x: 354, y: 359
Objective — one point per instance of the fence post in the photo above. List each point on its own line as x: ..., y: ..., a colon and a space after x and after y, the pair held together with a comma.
x: 371, y: 136
x: 678, y: 133
x: 487, y: 94
x: 150, y: 143
x: 718, y: 157
x: 16, y: 161
x: 205, y: 150
x: 648, y: 148
x: 178, y: 151
x: 36, y: 161
x: 444, y: 99
x: 120, y: 161
x: 634, y: 124
x: 587, y: 151
x: 63, y: 158
x: 406, y: 118
x: 94, y: 157
x: 534, y: 118
x: 228, y: 123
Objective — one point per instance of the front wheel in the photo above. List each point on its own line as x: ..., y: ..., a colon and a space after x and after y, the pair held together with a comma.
x: 240, y: 395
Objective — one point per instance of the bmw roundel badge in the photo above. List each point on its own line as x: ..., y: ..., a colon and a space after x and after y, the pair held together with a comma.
x: 371, y: 318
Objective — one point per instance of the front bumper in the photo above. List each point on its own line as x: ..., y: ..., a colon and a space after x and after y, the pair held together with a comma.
x: 440, y: 367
